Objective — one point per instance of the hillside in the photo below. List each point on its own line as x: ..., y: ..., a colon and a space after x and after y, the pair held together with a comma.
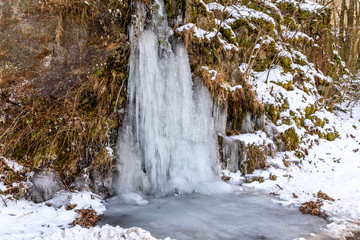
x: 281, y: 104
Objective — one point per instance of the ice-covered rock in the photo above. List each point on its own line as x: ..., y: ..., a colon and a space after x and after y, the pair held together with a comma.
x: 45, y: 183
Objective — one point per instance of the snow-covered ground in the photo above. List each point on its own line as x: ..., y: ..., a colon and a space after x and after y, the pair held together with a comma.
x: 332, y: 167
x: 23, y: 219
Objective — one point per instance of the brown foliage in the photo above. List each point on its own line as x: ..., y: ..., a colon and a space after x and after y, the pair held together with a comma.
x: 324, y: 196
x: 86, y: 218
x: 313, y: 208
x: 8, y: 176
x: 58, y: 132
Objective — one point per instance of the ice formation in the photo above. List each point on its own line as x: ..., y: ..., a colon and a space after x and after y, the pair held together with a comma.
x: 168, y: 142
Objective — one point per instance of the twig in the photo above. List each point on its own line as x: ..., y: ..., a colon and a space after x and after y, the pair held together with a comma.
x: 25, y: 214
x: 5, y: 204
x: 117, y: 98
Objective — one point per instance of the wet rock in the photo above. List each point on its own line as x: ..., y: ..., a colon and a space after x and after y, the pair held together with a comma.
x: 100, y: 183
x: 81, y: 183
x: 45, y: 183
x: 236, y: 154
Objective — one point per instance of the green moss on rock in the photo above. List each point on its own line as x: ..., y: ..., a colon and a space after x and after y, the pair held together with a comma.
x: 290, y: 139
x: 227, y: 34
x: 309, y: 110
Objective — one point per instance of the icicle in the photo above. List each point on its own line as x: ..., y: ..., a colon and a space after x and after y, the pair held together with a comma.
x: 168, y: 142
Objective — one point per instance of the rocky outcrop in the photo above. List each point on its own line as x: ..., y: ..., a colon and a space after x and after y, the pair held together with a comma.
x: 245, y: 152
x: 45, y: 183
x: 45, y: 48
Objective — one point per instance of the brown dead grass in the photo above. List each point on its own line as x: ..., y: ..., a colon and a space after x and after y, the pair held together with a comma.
x: 86, y: 218
x: 313, y: 208
x: 68, y: 133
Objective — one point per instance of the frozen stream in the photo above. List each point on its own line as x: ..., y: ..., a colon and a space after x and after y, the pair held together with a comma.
x: 238, y: 215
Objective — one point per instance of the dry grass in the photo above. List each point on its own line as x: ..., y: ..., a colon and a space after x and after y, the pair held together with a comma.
x: 68, y: 133
x: 71, y: 132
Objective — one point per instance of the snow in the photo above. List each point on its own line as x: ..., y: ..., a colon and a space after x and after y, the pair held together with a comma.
x: 305, y: 5
x: 110, y: 151
x: 296, y: 35
x: 258, y: 138
x: 331, y: 166
x: 239, y: 11
x: 198, y: 32
x: 23, y: 219
x: 213, y: 73
x: 208, y: 35
x: 267, y: 85
x: 231, y: 88
x: 310, y: 6
x: 100, y: 233
x: 14, y: 165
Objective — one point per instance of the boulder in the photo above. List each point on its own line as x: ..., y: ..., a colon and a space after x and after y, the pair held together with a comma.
x: 45, y: 183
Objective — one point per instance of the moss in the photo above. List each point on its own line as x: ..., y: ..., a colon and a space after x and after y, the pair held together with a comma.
x: 255, y: 179
x: 318, y: 121
x: 272, y: 112
x: 331, y: 136
x: 168, y: 7
x: 299, y: 154
x: 238, y: 23
x: 198, y: 10
x: 286, y: 121
x: 285, y: 62
x: 288, y: 86
x: 309, y: 110
x: 287, y: 8
x: 261, y: 65
x: 255, y: 159
x: 266, y: 26
x: 290, y: 139
x: 227, y: 34
x: 304, y: 15
x: 300, y: 61
x: 220, y: 146
x: 306, y: 90
x: 272, y: 177
x: 298, y: 121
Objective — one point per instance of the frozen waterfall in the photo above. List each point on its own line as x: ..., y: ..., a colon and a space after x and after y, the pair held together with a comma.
x: 168, y: 143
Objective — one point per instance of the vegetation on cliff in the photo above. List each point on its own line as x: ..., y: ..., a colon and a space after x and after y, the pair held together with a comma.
x: 68, y: 123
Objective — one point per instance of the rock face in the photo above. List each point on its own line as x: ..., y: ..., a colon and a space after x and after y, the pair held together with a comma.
x: 44, y: 49
x: 45, y: 183
x: 245, y: 152
x: 95, y: 181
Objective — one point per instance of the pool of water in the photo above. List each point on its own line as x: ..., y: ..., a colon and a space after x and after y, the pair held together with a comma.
x: 238, y: 215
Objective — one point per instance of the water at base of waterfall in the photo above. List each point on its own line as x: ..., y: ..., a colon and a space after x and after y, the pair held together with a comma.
x: 246, y: 215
